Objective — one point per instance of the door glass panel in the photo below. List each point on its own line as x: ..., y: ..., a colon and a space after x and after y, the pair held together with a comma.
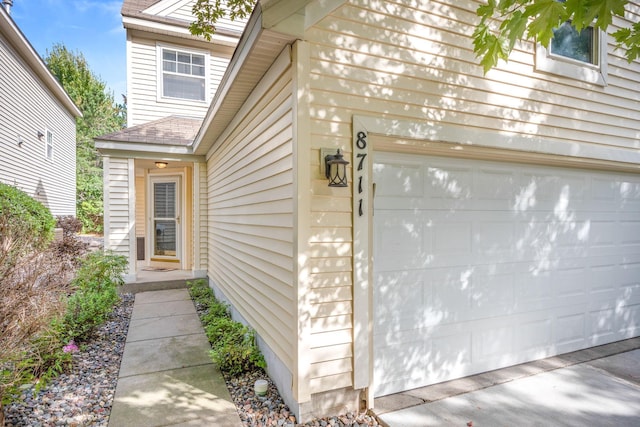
x: 164, y: 219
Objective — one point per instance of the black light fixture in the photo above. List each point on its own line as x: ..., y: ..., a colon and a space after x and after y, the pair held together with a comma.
x: 336, y: 169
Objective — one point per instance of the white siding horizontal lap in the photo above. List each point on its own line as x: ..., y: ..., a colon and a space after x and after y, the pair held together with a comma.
x: 144, y: 101
x: 250, y: 223
x: 27, y: 108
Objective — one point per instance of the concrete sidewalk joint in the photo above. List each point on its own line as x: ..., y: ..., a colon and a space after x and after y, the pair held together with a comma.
x: 166, y: 376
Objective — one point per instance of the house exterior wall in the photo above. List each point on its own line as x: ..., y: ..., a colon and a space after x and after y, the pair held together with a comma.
x: 251, y: 215
x: 421, y: 67
x: 223, y: 25
x: 414, y: 66
x: 119, y: 196
x: 145, y: 103
x: 26, y: 108
x: 200, y: 215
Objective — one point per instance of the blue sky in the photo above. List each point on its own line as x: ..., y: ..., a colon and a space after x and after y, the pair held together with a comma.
x: 92, y: 27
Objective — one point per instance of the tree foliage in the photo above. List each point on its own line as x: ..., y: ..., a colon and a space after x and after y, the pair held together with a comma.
x: 504, y: 22
x: 208, y: 12
x: 100, y: 115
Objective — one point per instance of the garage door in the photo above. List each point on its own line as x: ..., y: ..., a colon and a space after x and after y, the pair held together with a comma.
x: 481, y: 265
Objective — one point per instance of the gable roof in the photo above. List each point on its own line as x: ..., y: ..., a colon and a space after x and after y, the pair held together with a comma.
x: 136, y: 16
x: 172, y: 130
x: 136, y: 9
x: 10, y: 31
x: 272, y: 25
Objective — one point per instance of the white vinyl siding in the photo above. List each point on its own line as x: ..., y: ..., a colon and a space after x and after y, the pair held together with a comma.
x: 26, y: 109
x: 250, y: 229
x: 419, y: 65
x: 182, y: 10
x: 223, y: 25
x: 416, y: 64
x: 201, y: 225
x: 118, y: 200
x: 144, y: 102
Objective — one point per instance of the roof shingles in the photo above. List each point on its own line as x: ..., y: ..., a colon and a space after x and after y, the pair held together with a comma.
x: 172, y: 130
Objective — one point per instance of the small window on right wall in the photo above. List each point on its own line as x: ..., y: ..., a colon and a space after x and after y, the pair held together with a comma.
x: 576, y: 55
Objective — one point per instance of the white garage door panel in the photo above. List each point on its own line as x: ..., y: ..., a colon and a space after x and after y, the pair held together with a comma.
x: 480, y: 265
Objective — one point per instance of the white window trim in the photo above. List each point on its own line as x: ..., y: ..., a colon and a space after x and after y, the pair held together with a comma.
x: 160, y: 80
x: 48, y: 132
x: 596, y: 74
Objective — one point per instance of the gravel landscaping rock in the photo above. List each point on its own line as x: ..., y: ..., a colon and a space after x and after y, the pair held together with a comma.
x: 83, y: 397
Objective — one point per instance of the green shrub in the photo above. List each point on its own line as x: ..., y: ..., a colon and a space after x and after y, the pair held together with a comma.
x: 233, y: 345
x: 234, y: 349
x: 87, y: 310
x: 26, y: 225
x: 200, y: 292
x: 97, y: 283
x: 90, y: 213
x: 100, y: 270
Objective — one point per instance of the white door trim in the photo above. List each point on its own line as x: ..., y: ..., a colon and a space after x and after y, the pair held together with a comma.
x: 179, y: 177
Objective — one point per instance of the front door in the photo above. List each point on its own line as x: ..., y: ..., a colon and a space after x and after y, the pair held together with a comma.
x: 165, y: 219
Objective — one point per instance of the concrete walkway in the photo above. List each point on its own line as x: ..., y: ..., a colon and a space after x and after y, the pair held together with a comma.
x: 594, y: 387
x: 166, y: 375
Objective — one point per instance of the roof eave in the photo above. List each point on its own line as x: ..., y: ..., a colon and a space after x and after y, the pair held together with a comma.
x: 258, y: 47
x: 142, y: 150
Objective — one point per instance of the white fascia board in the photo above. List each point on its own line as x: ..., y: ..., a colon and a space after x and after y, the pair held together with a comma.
x: 151, y: 156
x: 248, y: 40
x: 175, y: 30
x: 136, y: 149
x: 37, y: 65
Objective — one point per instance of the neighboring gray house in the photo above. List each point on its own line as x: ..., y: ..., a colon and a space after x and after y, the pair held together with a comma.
x: 507, y: 205
x: 37, y: 124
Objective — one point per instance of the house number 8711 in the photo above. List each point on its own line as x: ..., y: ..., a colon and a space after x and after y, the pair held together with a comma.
x: 361, y: 143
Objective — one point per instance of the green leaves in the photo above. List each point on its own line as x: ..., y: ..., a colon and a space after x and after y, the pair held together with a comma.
x: 100, y: 115
x: 537, y: 19
x: 629, y: 39
x: 208, y: 12
x: 233, y: 345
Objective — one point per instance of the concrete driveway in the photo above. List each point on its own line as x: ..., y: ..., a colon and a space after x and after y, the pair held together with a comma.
x: 594, y: 387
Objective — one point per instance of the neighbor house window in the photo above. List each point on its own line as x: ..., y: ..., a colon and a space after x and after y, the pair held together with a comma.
x: 580, y: 55
x: 48, y: 142
x: 183, y: 74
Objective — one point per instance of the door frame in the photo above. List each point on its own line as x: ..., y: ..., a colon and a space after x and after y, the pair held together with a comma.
x: 179, y: 260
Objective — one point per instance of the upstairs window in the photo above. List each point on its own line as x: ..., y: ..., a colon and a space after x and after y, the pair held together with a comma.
x: 48, y: 144
x: 579, y: 46
x: 183, y: 74
x: 576, y: 55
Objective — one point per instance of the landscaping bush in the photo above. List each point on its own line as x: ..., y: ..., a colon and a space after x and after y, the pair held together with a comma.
x: 96, y: 283
x: 70, y: 248
x: 32, y: 284
x: 70, y: 225
x: 233, y: 345
x: 26, y: 225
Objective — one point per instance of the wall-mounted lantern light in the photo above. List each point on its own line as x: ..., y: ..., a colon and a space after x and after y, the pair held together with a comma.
x: 40, y: 135
x: 161, y: 165
x: 336, y: 169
